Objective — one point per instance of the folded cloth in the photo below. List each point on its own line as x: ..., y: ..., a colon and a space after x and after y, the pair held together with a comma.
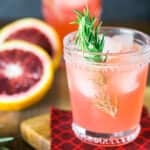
x: 63, y: 137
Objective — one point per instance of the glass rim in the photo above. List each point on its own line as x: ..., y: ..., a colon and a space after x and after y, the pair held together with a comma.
x: 144, y: 51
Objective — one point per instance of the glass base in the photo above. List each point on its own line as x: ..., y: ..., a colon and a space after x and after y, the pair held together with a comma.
x: 105, y: 139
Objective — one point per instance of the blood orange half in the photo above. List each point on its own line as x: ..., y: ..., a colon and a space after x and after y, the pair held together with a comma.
x: 37, y: 32
x: 26, y: 73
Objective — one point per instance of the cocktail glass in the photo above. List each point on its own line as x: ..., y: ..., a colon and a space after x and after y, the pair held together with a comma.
x: 107, y: 97
x: 59, y: 13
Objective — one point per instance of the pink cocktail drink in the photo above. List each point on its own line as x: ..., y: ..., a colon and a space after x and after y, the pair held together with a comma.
x: 107, y: 98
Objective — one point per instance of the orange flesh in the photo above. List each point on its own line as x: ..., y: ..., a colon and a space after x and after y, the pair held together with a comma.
x: 32, y: 71
x: 34, y: 36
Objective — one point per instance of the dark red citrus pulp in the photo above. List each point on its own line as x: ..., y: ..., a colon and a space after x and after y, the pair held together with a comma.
x: 32, y: 70
x: 34, y: 36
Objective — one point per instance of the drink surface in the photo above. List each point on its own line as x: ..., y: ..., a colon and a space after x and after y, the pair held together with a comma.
x: 108, y: 99
x: 59, y: 14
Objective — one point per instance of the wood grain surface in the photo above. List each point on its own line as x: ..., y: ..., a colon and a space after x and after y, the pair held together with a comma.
x: 36, y: 132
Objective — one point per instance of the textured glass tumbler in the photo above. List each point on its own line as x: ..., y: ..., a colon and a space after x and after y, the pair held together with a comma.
x: 107, y: 97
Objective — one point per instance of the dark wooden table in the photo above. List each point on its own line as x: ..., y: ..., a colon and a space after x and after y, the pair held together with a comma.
x: 57, y: 96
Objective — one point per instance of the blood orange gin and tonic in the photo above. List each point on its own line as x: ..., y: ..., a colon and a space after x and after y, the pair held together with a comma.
x: 107, y: 97
x: 58, y: 13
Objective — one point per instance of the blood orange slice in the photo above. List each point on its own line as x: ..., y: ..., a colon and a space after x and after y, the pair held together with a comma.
x: 37, y: 32
x: 26, y: 73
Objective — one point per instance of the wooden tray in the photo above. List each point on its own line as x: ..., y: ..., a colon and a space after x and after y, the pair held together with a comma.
x: 36, y: 132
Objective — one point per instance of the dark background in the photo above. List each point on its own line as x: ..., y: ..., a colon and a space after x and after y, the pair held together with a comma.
x: 113, y: 10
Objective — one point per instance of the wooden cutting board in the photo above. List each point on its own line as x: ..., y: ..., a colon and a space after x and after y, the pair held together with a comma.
x: 36, y: 131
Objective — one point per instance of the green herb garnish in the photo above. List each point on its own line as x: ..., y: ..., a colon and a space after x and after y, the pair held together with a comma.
x: 87, y: 37
x: 3, y: 141
x: 6, y: 139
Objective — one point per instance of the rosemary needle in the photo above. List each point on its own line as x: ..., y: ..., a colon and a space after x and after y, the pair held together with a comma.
x: 87, y: 37
x: 6, y: 139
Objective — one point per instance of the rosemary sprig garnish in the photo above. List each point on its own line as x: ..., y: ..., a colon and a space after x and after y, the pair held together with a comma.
x: 6, y: 139
x: 87, y: 37
x: 3, y: 141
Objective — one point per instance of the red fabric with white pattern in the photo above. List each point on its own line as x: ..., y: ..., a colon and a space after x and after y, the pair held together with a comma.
x: 63, y: 137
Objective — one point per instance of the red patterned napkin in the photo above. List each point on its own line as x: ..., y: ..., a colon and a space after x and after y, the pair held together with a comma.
x: 63, y: 137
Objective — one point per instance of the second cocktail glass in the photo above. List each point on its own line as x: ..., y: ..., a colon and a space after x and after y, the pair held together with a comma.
x: 59, y: 13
